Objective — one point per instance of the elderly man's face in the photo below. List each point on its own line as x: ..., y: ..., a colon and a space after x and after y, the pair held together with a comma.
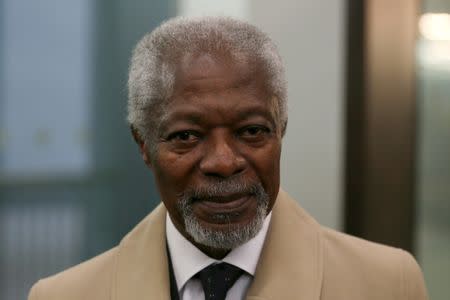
x: 218, y: 151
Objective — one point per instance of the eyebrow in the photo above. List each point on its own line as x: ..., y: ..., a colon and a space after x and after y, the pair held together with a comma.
x: 196, y: 118
x: 251, y: 112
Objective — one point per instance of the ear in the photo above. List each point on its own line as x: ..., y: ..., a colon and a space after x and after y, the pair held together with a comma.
x: 283, y: 128
x: 143, y: 149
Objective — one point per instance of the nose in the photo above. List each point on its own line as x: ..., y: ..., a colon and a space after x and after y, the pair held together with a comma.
x: 221, y: 157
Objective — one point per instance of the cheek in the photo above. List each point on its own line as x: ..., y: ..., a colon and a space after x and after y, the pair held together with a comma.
x: 267, y: 168
x: 266, y: 164
x: 171, y: 176
x: 172, y: 170
x: 273, y: 170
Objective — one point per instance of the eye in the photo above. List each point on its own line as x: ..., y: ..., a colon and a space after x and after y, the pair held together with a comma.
x: 184, y: 136
x: 254, y: 133
x: 253, y: 130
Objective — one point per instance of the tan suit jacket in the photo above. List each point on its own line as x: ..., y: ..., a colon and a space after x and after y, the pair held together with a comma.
x: 300, y: 260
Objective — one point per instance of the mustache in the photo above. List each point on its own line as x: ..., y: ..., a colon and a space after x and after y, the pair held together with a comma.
x: 222, y: 188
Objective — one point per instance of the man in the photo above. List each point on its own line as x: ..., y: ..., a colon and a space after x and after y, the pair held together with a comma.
x: 207, y: 107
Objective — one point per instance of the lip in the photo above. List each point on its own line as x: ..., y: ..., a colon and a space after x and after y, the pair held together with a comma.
x: 224, y: 204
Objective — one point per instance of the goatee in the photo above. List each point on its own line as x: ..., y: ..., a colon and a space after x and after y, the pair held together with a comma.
x: 233, y: 235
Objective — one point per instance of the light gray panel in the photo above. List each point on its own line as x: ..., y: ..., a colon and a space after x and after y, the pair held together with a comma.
x: 310, y: 35
x: 45, y: 110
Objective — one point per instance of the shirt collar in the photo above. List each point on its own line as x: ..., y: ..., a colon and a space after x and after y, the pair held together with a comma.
x: 188, y: 260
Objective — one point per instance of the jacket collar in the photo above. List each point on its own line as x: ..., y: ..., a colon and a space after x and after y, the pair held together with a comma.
x: 141, y: 266
x: 288, y: 266
x: 291, y: 263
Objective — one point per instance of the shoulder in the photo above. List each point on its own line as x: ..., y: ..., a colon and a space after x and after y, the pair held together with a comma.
x: 364, y: 265
x: 89, y: 280
x: 349, y: 267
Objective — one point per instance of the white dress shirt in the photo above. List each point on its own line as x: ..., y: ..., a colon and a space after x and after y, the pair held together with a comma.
x: 188, y: 260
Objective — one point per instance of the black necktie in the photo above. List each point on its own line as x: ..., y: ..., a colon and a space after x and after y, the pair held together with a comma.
x: 217, y: 279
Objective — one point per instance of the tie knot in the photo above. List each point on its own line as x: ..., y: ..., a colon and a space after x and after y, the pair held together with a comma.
x: 217, y: 279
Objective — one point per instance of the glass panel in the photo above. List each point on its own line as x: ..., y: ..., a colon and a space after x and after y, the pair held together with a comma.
x: 72, y: 182
x: 433, y: 188
x: 36, y: 61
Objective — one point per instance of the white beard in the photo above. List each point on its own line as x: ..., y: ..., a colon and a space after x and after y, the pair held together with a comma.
x: 234, y: 235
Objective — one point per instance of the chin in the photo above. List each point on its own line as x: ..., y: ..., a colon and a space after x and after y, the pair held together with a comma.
x: 223, y: 236
x: 224, y: 226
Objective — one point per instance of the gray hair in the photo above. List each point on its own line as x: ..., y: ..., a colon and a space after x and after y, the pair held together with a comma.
x: 152, y: 69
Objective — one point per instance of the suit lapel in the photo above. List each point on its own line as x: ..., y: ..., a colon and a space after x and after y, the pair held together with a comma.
x: 291, y: 263
x: 141, y: 266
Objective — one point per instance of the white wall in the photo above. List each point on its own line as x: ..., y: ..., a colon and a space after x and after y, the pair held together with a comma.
x: 310, y: 35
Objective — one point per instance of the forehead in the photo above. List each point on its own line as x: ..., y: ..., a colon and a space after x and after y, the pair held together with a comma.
x: 202, y: 73
x: 217, y: 87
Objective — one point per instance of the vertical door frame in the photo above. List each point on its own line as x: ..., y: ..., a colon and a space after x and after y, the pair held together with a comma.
x: 381, y: 121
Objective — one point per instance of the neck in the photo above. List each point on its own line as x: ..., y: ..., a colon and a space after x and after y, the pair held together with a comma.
x: 212, y: 252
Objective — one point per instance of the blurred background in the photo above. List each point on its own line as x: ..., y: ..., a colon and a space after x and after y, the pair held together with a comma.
x: 367, y: 149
